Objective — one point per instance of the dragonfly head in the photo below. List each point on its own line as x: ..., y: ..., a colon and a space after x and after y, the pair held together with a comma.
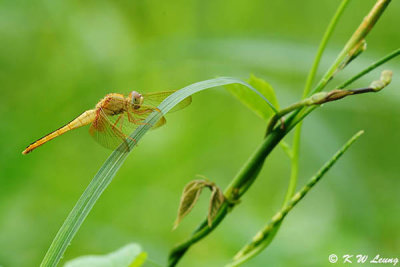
x: 136, y: 99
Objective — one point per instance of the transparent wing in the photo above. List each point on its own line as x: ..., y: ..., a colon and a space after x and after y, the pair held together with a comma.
x: 154, y: 99
x: 160, y: 123
x: 138, y: 116
x: 110, y: 131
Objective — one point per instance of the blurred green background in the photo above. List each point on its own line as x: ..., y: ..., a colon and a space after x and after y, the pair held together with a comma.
x: 58, y: 58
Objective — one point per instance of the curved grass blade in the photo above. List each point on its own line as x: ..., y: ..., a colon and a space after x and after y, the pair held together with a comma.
x: 110, y: 167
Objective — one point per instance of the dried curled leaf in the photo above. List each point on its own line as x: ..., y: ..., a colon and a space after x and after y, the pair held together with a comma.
x: 190, y: 196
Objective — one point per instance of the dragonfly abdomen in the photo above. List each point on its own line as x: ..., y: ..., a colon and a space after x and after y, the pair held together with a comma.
x: 84, y: 119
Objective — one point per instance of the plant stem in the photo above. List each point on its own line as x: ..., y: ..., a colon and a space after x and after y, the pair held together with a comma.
x: 361, y: 32
x: 258, y: 242
x: 236, y: 188
x: 265, y: 236
x: 246, y: 176
x: 250, y: 170
x: 296, y: 139
x: 328, y: 33
x: 233, y: 192
x: 371, y: 67
x: 324, y: 97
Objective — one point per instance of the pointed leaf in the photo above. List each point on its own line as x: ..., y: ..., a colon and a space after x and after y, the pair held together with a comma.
x: 252, y: 100
x: 216, y: 200
x: 189, y: 198
x: 130, y: 255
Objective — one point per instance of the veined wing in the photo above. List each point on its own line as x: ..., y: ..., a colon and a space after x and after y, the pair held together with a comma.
x: 109, y: 131
x: 154, y: 99
x: 113, y: 130
x: 138, y: 116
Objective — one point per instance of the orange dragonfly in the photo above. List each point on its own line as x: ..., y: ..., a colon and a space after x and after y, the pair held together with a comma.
x: 114, y: 118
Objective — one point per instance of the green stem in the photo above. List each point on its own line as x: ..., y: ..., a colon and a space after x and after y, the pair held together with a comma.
x: 296, y: 139
x: 258, y: 243
x: 203, y: 230
x: 275, y: 118
x: 362, y: 31
x: 233, y: 192
x: 354, y: 41
x: 316, y: 99
x: 328, y: 33
x: 371, y: 67
x: 350, y: 50
x: 267, y: 234
x: 245, y: 178
x: 248, y: 173
x: 236, y: 188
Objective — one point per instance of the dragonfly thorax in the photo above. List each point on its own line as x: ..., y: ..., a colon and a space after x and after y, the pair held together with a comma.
x: 112, y: 104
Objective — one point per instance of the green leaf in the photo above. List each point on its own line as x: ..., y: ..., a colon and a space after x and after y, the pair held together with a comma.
x: 130, y: 255
x: 111, y: 166
x: 252, y: 101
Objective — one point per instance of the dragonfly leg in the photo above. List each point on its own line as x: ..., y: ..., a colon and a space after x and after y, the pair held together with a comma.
x: 132, y: 139
x: 117, y: 120
x: 122, y: 122
x: 138, y: 121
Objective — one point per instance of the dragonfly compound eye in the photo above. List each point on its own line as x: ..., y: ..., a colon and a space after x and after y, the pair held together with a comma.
x: 137, y: 98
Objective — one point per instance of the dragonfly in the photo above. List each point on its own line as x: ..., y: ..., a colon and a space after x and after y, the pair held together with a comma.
x: 114, y: 118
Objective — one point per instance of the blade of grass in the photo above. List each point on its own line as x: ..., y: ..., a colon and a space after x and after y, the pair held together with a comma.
x: 296, y: 138
x: 262, y: 238
x: 110, y: 167
x: 328, y: 33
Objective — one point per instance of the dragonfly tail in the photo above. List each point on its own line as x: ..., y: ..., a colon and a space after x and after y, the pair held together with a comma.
x: 82, y: 120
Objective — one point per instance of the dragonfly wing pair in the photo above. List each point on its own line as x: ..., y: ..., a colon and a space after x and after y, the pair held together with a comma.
x: 112, y: 131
